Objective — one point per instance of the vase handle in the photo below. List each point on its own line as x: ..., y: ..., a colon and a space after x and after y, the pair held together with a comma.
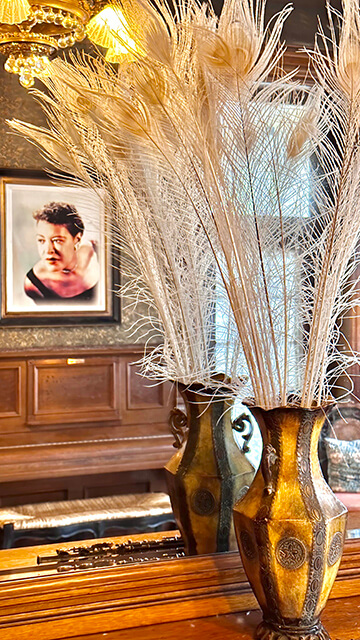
x: 178, y: 426
x: 240, y: 424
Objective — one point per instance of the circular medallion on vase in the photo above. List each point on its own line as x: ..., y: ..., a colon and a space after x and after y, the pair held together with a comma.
x: 335, y: 549
x: 203, y: 502
x: 290, y: 553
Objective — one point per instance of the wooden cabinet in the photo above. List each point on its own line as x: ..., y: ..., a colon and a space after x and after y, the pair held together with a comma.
x: 80, y: 412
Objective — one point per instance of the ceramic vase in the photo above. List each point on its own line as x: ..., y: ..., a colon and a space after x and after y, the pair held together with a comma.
x: 290, y: 527
x: 208, y: 473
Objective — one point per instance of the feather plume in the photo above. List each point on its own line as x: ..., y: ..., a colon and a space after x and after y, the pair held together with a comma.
x: 206, y: 161
x: 166, y: 265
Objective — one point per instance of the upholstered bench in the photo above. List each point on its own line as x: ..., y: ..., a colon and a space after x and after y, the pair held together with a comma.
x: 80, y: 519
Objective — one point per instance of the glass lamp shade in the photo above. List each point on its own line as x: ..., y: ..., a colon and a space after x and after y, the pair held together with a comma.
x: 120, y: 55
x: 109, y: 29
x: 14, y: 11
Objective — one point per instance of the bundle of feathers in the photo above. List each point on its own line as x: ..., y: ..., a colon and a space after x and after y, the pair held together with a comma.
x: 201, y: 144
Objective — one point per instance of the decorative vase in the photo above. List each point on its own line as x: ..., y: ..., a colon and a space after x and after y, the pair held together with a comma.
x: 208, y: 473
x: 290, y: 527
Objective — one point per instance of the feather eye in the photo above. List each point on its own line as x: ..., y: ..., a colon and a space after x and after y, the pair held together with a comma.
x: 240, y: 45
x: 151, y: 84
x: 244, y: 47
x: 306, y: 126
x: 158, y: 43
x: 348, y: 56
x: 213, y: 51
x: 133, y: 118
x: 348, y: 71
x: 84, y: 104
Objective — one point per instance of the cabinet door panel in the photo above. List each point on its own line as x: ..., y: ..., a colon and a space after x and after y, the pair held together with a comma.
x: 143, y: 400
x: 12, y: 394
x: 73, y: 390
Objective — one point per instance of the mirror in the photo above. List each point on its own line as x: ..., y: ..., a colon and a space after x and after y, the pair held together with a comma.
x: 59, y: 342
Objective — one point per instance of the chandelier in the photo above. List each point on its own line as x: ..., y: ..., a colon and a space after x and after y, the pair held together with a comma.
x: 32, y: 31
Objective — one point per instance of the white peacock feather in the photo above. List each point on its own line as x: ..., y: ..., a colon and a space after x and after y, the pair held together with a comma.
x: 201, y: 144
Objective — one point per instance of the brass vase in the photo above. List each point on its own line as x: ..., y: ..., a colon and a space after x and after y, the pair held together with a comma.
x: 207, y: 474
x: 290, y: 527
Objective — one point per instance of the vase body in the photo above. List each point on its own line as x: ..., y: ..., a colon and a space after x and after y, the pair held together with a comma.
x: 207, y: 474
x: 290, y: 527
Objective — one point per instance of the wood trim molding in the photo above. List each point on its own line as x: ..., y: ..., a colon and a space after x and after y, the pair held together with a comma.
x: 136, y: 350
x: 13, y: 397
x: 99, y: 601
x: 113, y: 454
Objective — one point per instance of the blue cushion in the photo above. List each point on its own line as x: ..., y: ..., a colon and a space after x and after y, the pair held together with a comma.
x: 343, y: 464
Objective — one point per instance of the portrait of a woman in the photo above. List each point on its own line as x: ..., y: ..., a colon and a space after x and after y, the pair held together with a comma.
x: 68, y: 269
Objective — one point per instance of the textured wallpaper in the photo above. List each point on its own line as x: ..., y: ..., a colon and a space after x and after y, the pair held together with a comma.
x: 112, y: 335
x: 16, y: 153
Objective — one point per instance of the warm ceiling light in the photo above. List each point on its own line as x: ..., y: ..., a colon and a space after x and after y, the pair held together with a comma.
x: 116, y: 55
x: 31, y: 31
x: 109, y: 29
x: 47, y: 26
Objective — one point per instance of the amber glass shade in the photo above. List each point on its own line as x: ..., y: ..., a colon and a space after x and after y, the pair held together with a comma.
x: 109, y: 29
x: 14, y: 11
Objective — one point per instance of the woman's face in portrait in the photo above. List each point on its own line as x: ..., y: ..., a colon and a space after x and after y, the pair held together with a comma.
x: 56, y: 246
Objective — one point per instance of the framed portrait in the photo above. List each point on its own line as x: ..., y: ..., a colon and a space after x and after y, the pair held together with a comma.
x: 55, y: 256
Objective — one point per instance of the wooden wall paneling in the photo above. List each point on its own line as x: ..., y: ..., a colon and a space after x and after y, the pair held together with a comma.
x: 95, y: 416
x: 12, y: 394
x: 144, y: 400
x: 139, y: 481
x: 350, y: 337
x: 296, y: 59
x: 355, y: 343
x: 73, y: 390
x: 351, y: 329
